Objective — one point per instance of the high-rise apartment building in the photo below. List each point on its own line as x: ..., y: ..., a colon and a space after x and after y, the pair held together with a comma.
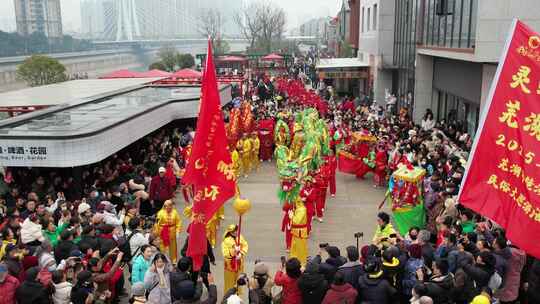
x: 39, y: 16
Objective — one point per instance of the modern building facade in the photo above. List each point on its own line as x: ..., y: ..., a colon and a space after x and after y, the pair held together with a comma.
x: 438, y: 54
x: 376, y: 44
x: 459, y: 46
x: 42, y: 16
x: 354, y: 21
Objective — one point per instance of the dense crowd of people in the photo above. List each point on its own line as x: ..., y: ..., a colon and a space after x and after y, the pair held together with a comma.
x: 79, y: 239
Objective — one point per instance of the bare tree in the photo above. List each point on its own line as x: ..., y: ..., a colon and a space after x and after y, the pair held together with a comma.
x: 211, y: 25
x: 262, y: 23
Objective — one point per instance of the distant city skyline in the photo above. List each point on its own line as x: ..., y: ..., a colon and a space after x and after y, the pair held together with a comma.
x: 298, y: 12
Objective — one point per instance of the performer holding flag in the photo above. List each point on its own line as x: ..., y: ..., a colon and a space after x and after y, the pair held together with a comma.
x: 210, y: 169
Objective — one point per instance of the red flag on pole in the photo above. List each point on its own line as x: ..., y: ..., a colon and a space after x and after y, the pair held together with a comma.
x: 209, y: 169
x: 502, y: 181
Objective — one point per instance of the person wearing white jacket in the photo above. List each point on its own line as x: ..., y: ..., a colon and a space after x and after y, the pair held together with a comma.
x: 31, y: 233
x: 62, y: 288
x: 109, y: 215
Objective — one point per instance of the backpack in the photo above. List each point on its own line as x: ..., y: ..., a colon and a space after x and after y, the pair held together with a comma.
x: 123, y: 245
x: 495, y: 282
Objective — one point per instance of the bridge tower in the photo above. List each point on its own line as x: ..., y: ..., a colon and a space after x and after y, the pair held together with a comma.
x: 127, y: 23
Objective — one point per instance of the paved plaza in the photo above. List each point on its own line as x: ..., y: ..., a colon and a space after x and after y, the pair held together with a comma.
x: 354, y: 209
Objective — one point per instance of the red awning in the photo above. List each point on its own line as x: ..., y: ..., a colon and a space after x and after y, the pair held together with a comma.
x: 231, y: 58
x: 154, y: 73
x: 272, y: 57
x: 121, y: 74
x: 187, y: 74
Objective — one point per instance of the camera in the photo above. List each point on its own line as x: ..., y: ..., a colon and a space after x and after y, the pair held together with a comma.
x: 283, y: 260
x: 359, y: 235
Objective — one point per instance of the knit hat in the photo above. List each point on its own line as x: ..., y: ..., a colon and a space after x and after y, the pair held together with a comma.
x: 312, y: 268
x: 137, y: 289
x: 83, y: 207
x: 46, y: 260
x: 108, y: 205
x: 261, y: 268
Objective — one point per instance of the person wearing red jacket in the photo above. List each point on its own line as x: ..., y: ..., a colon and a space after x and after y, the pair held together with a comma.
x: 340, y: 292
x: 161, y: 189
x: 8, y: 285
x: 288, y: 280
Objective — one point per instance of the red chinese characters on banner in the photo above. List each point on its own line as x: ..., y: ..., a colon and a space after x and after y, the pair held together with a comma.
x: 503, y: 178
x: 209, y: 169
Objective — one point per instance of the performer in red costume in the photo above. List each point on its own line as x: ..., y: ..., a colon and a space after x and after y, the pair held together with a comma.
x: 286, y: 224
x: 308, y: 194
x: 331, y: 163
x: 321, y: 183
x: 381, y: 162
x: 266, y: 137
x: 368, y: 163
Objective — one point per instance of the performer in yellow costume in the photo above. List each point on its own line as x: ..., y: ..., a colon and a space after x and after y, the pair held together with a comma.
x: 246, y: 155
x: 239, y: 149
x: 167, y: 226
x: 255, y: 150
x: 299, y: 232
x: 233, y: 256
x: 235, y: 157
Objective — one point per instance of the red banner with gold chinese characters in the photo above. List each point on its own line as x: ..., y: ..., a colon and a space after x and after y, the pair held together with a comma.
x: 209, y: 169
x: 502, y: 181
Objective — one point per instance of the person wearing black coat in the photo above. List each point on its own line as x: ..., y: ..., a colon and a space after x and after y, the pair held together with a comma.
x: 207, y: 259
x: 31, y: 291
x: 440, y: 285
x: 352, y: 270
x: 331, y: 264
x: 312, y: 284
x: 372, y: 287
x: 464, y: 289
x: 178, y: 277
x: 64, y: 248
x: 392, y: 269
x: 483, y: 270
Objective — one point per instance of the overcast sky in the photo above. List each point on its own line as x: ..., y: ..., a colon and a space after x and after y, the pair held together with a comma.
x: 298, y: 11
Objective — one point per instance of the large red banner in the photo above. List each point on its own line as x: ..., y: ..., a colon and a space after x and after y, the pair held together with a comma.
x: 502, y: 181
x: 209, y: 169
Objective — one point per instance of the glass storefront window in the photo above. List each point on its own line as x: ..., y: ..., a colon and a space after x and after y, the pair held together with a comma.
x: 456, y: 110
x: 451, y: 27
